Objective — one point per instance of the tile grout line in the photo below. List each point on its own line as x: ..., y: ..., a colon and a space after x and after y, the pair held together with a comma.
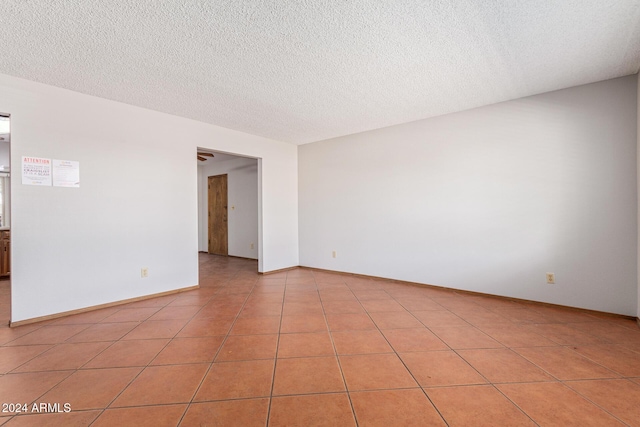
x: 594, y: 403
x: 444, y: 420
x: 335, y: 350
x: 78, y: 368
x: 275, y: 359
x: 108, y: 406
x: 467, y: 362
x: 235, y: 319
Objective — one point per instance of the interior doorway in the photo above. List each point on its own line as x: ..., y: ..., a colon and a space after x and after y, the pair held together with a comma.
x: 217, y: 211
x: 238, y: 212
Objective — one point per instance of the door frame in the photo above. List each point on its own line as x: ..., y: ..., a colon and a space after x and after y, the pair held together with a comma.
x: 204, y: 200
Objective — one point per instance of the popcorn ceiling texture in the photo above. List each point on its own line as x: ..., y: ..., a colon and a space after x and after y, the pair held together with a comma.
x: 303, y: 71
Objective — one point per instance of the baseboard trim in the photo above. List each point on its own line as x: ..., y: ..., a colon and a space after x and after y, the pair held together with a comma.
x: 461, y: 291
x: 547, y: 304
x: 190, y: 288
x: 282, y: 270
x: 242, y: 257
x: 98, y: 307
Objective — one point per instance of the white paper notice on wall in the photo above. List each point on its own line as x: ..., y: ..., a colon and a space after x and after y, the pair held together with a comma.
x: 36, y: 171
x: 66, y: 173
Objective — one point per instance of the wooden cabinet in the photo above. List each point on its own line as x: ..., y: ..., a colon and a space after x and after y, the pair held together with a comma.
x: 5, y: 255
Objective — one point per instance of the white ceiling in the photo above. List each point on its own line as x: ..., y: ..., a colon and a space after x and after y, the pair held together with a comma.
x: 307, y: 70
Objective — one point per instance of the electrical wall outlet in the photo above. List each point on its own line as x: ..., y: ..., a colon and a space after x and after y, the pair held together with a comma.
x: 551, y: 278
x: 144, y: 272
x: 334, y: 254
x: 252, y: 246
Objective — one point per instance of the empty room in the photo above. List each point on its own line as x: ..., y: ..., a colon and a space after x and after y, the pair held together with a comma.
x: 332, y: 213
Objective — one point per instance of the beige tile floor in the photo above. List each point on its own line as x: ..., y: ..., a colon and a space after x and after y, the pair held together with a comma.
x: 309, y: 348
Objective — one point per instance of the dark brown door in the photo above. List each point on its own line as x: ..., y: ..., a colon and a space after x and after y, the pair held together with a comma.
x: 218, y: 232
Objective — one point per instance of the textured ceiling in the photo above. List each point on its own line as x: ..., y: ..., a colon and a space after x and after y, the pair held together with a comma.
x: 302, y: 71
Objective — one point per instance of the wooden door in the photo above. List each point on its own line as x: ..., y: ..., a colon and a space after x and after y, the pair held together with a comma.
x: 218, y: 230
x: 5, y: 255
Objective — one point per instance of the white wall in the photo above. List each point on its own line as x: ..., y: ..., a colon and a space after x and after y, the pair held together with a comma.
x: 137, y: 205
x: 487, y: 200
x: 242, y: 198
x: 638, y: 177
